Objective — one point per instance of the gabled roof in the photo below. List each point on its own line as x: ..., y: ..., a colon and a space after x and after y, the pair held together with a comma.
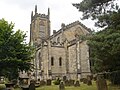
x: 69, y: 26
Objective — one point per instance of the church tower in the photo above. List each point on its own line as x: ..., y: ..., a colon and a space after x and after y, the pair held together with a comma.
x: 39, y: 27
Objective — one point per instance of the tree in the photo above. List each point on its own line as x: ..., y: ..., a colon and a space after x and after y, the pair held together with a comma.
x: 105, y: 44
x: 105, y: 47
x: 15, y: 54
x: 106, y: 12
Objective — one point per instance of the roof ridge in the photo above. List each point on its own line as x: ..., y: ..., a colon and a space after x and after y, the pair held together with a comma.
x: 71, y: 25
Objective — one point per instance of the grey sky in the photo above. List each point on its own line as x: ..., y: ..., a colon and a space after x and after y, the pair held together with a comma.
x: 61, y: 11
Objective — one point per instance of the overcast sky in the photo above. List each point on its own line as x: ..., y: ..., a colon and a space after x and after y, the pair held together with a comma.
x: 61, y: 11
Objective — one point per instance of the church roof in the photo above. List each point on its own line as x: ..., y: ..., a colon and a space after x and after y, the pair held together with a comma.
x: 69, y: 26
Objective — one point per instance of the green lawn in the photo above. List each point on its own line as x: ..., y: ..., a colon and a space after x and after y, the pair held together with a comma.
x: 55, y: 87
x: 82, y: 87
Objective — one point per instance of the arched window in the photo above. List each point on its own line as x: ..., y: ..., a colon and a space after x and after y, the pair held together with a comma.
x: 60, y: 61
x: 52, y: 61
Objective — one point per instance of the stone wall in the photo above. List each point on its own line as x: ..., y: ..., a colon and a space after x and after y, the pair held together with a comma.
x: 85, y: 66
x: 57, y: 53
x: 62, y: 44
x: 72, y: 61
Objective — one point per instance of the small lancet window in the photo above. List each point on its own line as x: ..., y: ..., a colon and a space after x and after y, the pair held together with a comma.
x: 60, y: 61
x: 52, y: 61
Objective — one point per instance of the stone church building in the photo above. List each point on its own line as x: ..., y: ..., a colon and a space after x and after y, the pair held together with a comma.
x: 62, y: 54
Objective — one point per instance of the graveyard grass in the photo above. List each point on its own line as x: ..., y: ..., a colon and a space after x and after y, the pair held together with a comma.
x: 82, y: 87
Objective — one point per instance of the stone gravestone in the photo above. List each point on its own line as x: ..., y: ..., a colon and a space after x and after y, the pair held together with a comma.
x: 48, y: 82
x: 32, y: 86
x: 9, y: 86
x: 85, y: 80
x: 71, y: 82
x: 64, y: 78
x: 95, y: 77
x: 101, y: 83
x: 77, y: 84
x: 61, y: 86
x: 42, y: 83
x: 89, y: 82
x: 67, y: 83
x: 81, y: 80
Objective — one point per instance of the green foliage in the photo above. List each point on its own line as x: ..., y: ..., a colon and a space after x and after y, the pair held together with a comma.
x: 15, y: 54
x: 2, y: 86
x: 105, y: 11
x: 57, y: 81
x: 104, y: 45
x: 105, y: 50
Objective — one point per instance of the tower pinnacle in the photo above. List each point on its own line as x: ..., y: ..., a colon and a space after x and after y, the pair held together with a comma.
x: 48, y: 13
x: 35, y: 9
x: 31, y: 15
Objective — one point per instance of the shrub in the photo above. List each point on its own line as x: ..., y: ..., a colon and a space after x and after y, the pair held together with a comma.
x: 2, y: 86
x: 57, y: 82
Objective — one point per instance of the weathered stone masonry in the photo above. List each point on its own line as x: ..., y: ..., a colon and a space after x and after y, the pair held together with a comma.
x: 61, y: 54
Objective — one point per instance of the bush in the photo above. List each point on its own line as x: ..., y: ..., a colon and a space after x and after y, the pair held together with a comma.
x: 2, y: 86
x: 57, y: 82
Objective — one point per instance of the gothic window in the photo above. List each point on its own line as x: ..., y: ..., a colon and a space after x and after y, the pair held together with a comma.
x: 52, y: 61
x: 60, y: 61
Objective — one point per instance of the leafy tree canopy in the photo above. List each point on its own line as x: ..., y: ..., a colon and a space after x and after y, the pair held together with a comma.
x: 105, y: 50
x: 102, y: 10
x: 105, y: 44
x: 15, y: 54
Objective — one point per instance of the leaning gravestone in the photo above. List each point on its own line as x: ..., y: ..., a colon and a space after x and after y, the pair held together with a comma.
x: 101, y: 83
x: 61, y: 86
x: 32, y: 86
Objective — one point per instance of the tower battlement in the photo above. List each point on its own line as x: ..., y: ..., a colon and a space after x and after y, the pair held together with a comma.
x: 44, y: 16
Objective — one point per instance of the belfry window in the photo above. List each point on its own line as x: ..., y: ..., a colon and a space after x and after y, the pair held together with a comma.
x: 52, y: 61
x: 60, y: 61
